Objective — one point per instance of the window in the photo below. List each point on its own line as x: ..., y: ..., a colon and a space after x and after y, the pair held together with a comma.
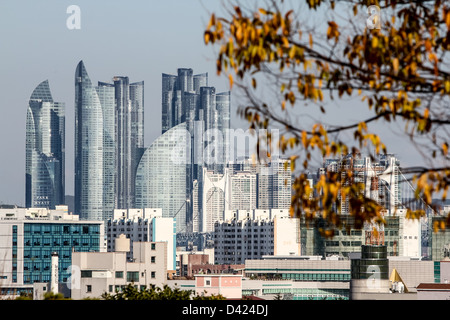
x: 153, y: 259
x: 153, y: 275
x: 88, y: 288
x: 153, y: 246
x: 119, y: 274
x: 86, y: 273
x: 132, y: 276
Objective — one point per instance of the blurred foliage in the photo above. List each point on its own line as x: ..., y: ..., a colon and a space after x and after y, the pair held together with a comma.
x: 399, y: 71
x: 130, y: 292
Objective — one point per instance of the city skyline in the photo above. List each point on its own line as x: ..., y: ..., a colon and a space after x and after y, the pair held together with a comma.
x: 152, y: 54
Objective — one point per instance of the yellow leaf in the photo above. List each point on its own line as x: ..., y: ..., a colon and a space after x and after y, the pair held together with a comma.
x: 374, y: 42
x: 445, y: 148
x: 310, y: 40
x: 230, y: 77
x: 304, y: 139
x: 447, y: 86
x: 395, y: 65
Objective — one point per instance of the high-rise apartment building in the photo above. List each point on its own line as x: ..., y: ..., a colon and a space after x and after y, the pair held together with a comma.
x: 109, y: 135
x: 380, y: 178
x: 94, y: 115
x: 45, y: 149
x: 161, y: 176
x: 142, y: 225
x: 128, y: 136
x: 252, y: 234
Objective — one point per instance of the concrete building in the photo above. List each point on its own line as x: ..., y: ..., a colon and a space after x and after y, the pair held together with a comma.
x: 227, y: 285
x: 109, y: 272
x: 186, y: 259
x: 433, y: 291
x: 30, y: 237
x: 251, y: 234
x: 142, y: 225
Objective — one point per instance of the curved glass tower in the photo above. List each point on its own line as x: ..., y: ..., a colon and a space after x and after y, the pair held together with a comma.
x: 94, y: 148
x: 45, y: 150
x: 161, y: 175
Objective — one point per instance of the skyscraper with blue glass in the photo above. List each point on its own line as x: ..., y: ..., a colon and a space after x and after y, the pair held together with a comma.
x: 45, y: 149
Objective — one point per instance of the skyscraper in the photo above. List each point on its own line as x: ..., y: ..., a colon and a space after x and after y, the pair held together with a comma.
x: 94, y: 145
x: 45, y: 149
x: 161, y: 176
x: 129, y: 136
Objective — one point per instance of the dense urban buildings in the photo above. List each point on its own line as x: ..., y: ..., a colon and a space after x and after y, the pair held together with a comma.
x: 188, y: 99
x: 191, y: 212
x: 45, y: 150
x: 30, y: 236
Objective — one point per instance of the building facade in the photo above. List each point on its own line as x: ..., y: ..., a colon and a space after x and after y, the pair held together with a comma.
x: 251, y: 234
x: 28, y: 239
x: 298, y: 278
x: 45, y: 150
x: 128, y: 136
x: 142, y: 225
x: 94, y: 157
x: 161, y: 176
x: 110, y: 272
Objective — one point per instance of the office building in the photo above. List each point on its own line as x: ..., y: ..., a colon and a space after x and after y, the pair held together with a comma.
x: 29, y: 237
x: 297, y: 278
x: 45, y: 150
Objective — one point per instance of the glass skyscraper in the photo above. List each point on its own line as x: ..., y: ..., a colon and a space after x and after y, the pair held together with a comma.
x: 45, y: 149
x: 161, y: 175
x: 129, y: 137
x: 94, y: 148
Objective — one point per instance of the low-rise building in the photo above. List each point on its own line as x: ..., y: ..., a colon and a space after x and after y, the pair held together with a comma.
x: 110, y: 272
x: 30, y: 236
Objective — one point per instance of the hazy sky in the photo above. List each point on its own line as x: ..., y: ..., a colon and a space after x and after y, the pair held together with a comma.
x: 138, y: 39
